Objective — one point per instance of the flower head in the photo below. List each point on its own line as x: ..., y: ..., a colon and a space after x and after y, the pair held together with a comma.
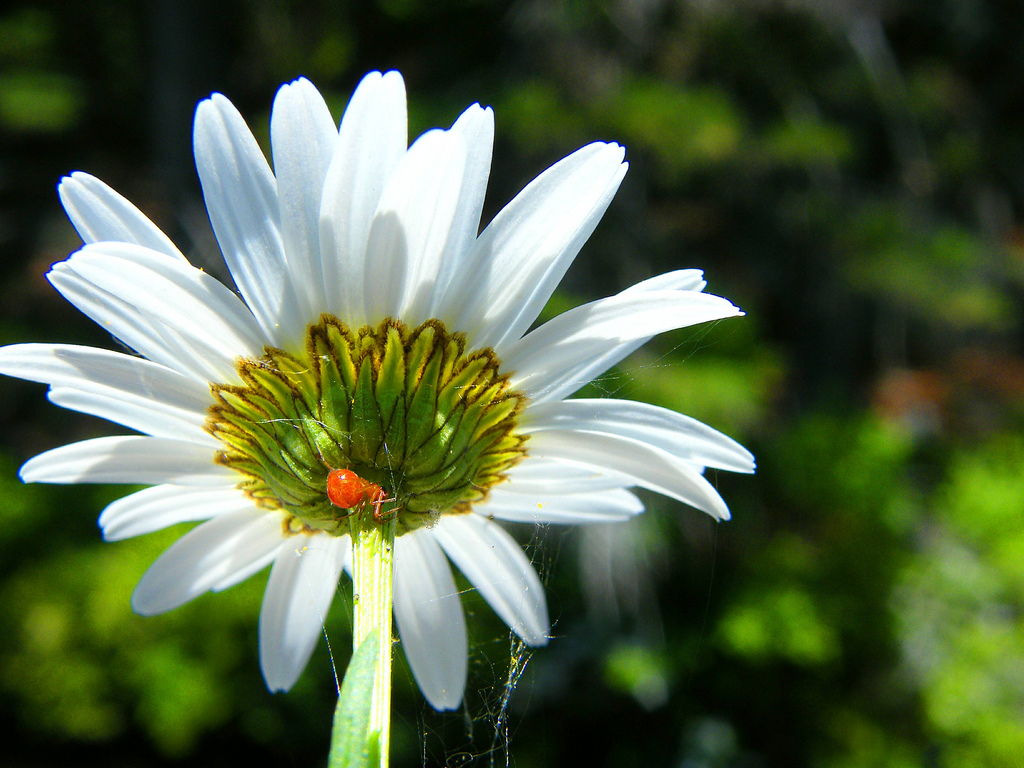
x: 380, y: 351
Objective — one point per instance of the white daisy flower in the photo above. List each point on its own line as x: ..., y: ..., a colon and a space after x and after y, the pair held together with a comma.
x: 376, y: 332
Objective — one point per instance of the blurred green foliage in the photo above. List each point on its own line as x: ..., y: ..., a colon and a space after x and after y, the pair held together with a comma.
x: 851, y: 175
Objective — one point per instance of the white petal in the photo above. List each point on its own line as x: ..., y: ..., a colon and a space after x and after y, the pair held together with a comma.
x: 99, y: 213
x: 247, y: 571
x: 587, y: 370
x: 124, y: 322
x: 680, y: 435
x: 162, y: 283
x: 676, y: 280
x: 139, y: 414
x: 91, y: 369
x: 537, y: 475
x: 205, y: 556
x: 518, y: 260
x: 241, y: 197
x: 430, y: 621
x: 303, y: 137
x: 561, y: 509
x: 162, y: 506
x: 144, y: 460
x: 185, y: 305
x: 493, y: 562
x: 373, y: 138
x: 411, y: 226
x: 650, y: 467
x: 574, y: 337
x: 476, y: 127
x: 299, y: 593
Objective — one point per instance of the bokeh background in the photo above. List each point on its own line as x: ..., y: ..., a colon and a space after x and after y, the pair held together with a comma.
x: 850, y: 173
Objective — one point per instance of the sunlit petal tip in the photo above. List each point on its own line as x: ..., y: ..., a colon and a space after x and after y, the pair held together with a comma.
x: 208, y: 110
x: 67, y: 183
x: 299, y: 88
x: 475, y: 111
x: 56, y: 268
x: 612, y: 151
x: 387, y: 87
x: 393, y: 78
x: 476, y: 125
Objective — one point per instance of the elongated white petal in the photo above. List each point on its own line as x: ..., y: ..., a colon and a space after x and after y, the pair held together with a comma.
x: 373, y: 138
x: 246, y: 571
x: 607, y: 506
x: 649, y: 467
x: 679, y: 435
x: 518, y: 260
x: 162, y: 506
x: 241, y: 197
x: 476, y: 128
x: 99, y: 213
x: 92, y: 369
x: 411, y: 227
x: 139, y: 331
x: 540, y: 475
x: 299, y: 593
x: 494, y: 563
x: 430, y: 621
x: 303, y: 137
x: 184, y: 304
x: 124, y: 322
x: 563, y: 343
x: 588, y: 369
x: 144, y: 460
x: 135, y: 413
x: 205, y: 556
x: 163, y: 284
x: 676, y: 280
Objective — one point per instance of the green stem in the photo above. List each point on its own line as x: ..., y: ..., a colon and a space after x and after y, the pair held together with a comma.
x: 373, y: 549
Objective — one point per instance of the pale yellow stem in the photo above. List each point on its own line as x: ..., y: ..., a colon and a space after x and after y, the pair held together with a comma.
x: 373, y: 549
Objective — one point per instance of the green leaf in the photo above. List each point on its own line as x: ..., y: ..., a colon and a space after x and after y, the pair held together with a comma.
x: 352, y: 744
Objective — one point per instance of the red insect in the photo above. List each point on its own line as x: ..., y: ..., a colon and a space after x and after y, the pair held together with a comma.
x: 348, y: 490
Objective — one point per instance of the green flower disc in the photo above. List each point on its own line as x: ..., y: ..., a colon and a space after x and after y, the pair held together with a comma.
x: 409, y: 410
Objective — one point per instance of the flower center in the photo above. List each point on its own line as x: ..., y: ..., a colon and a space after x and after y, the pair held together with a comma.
x: 409, y: 411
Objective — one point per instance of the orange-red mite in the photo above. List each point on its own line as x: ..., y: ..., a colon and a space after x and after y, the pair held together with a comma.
x: 348, y: 490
